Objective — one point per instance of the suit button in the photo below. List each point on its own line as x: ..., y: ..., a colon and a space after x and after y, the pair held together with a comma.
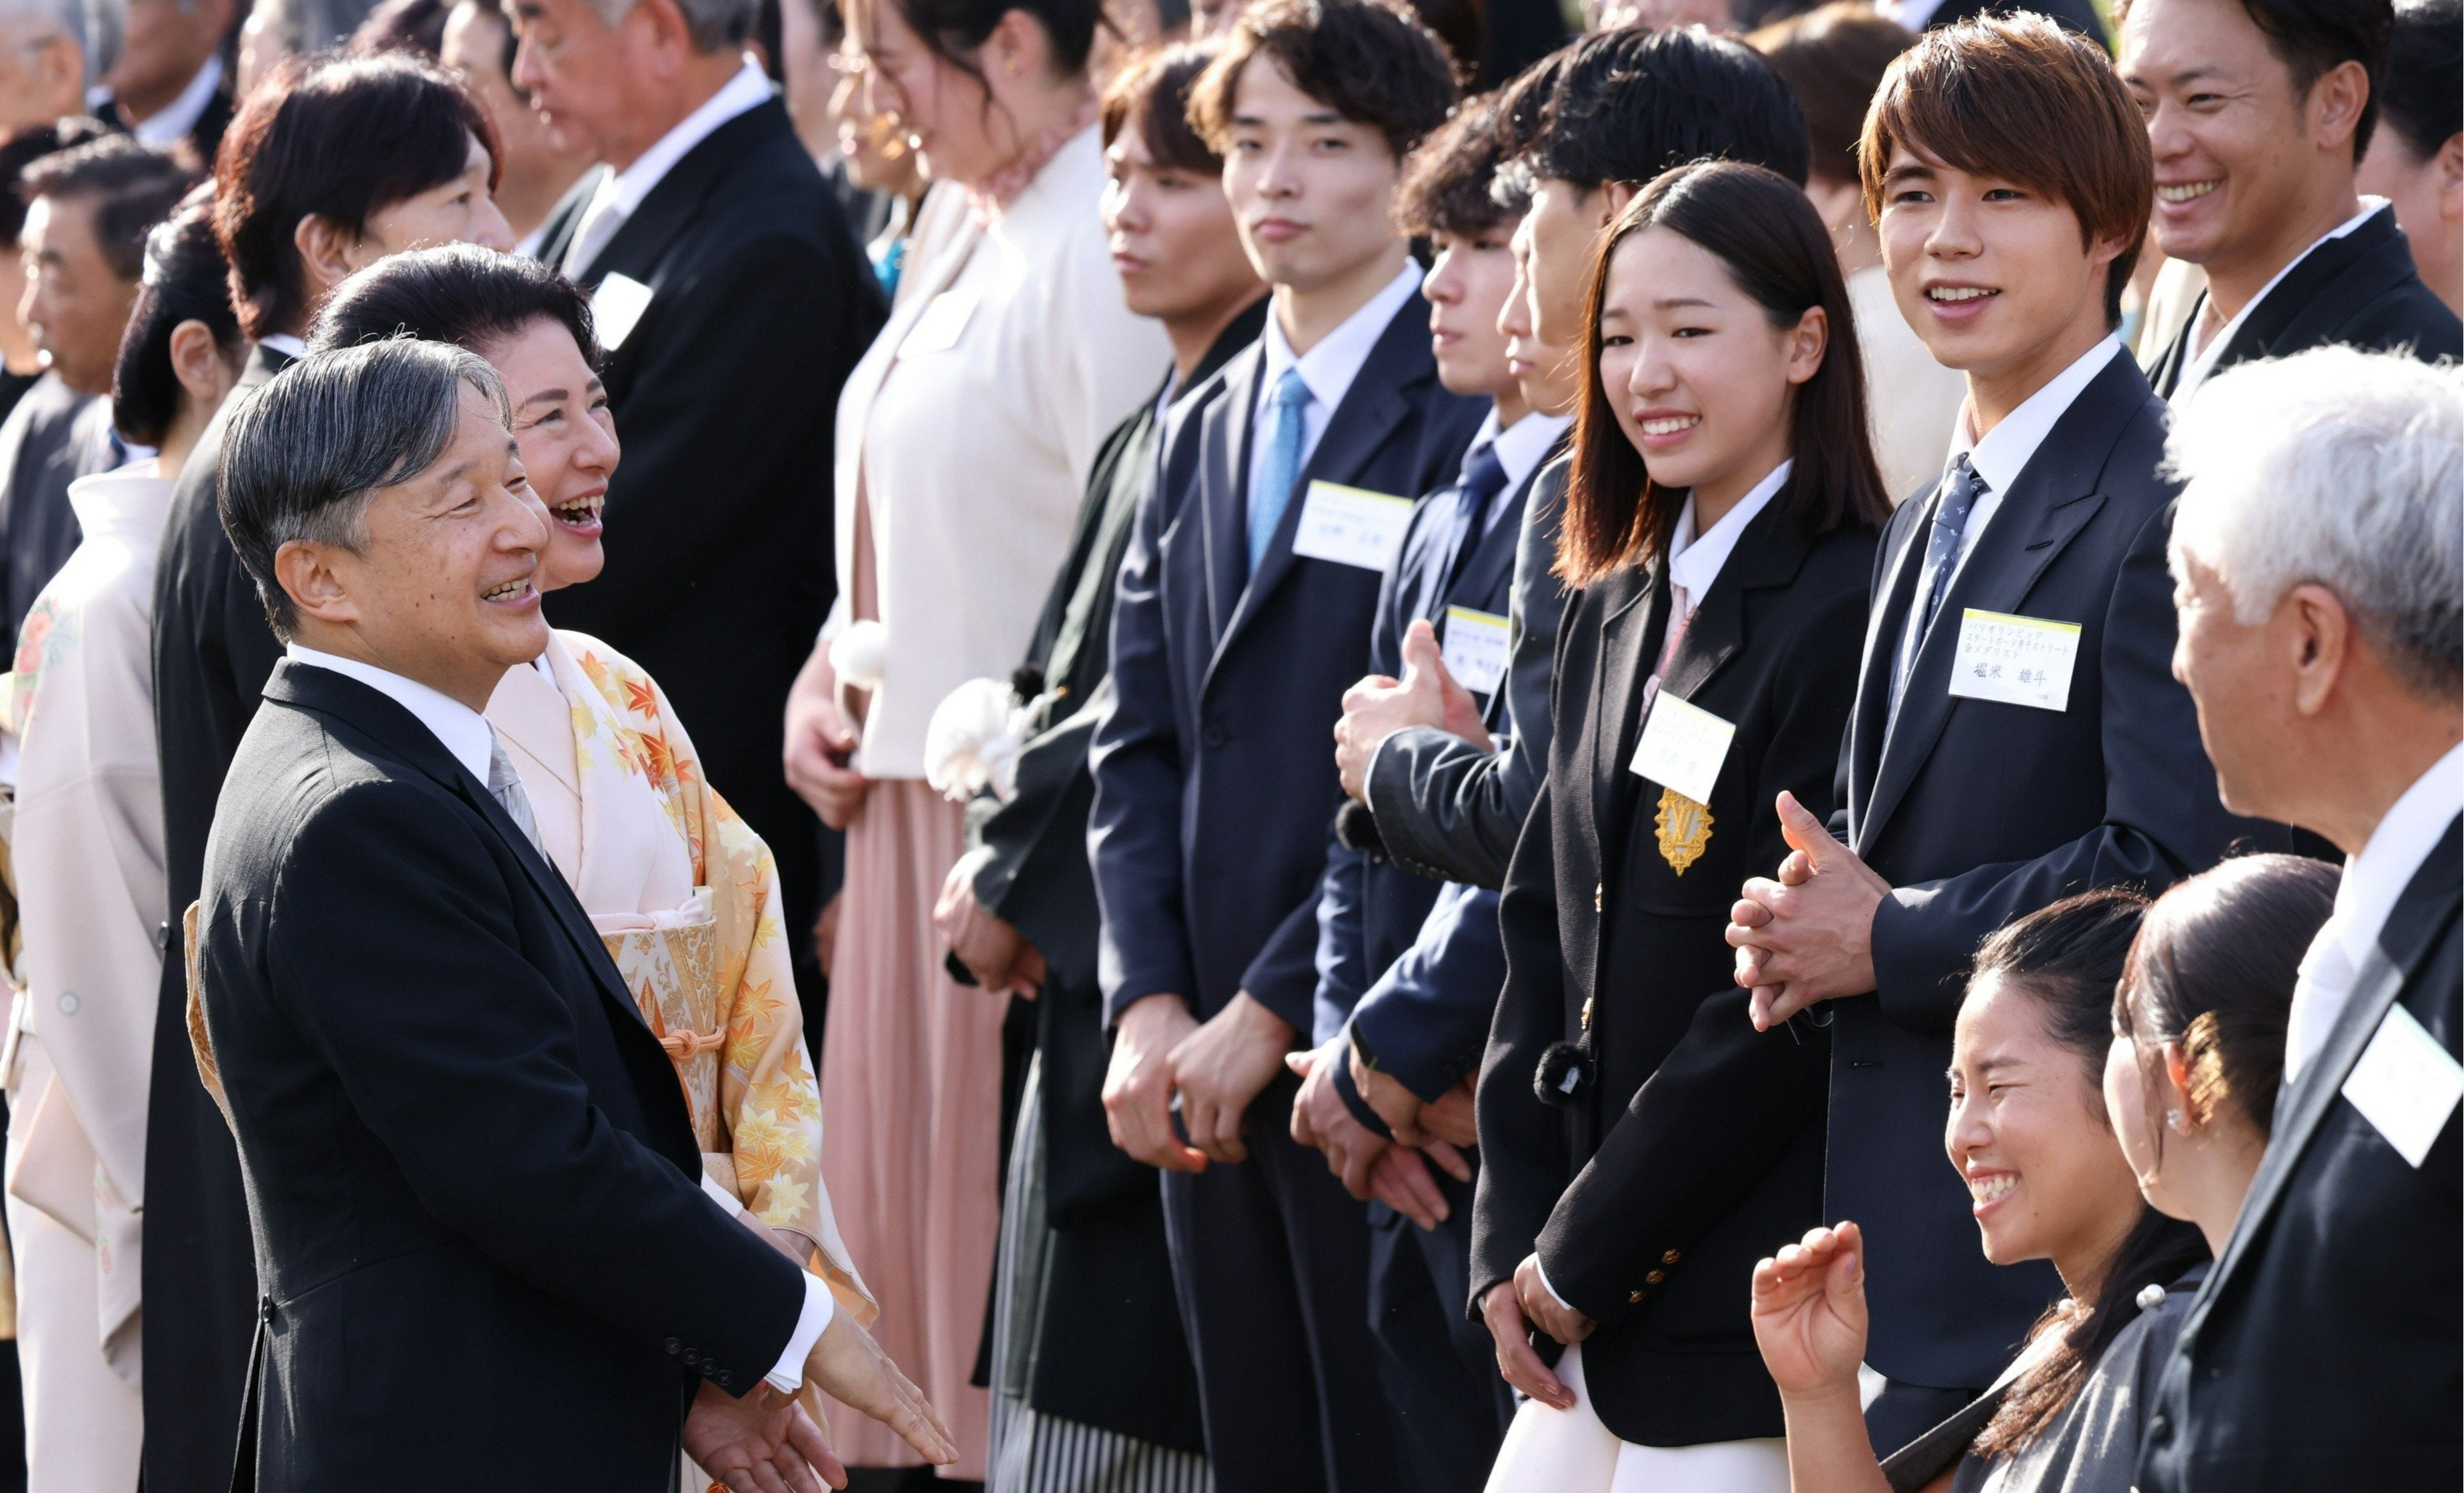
x: 1654, y: 1278
x: 1214, y: 737
x: 2158, y: 1426
x: 1599, y: 890
x: 672, y: 1346
x: 1668, y: 1258
x: 725, y: 1382
x: 1632, y: 1298
x: 692, y: 1360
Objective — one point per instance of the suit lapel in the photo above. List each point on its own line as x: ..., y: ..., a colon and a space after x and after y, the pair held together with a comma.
x: 2304, y: 305
x: 1227, y: 432
x: 1492, y: 559
x: 1637, y: 601
x: 671, y: 204
x: 1870, y: 718
x: 1769, y: 554
x: 564, y: 219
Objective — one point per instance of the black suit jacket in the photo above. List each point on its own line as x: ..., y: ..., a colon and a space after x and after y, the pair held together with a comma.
x: 204, y: 138
x: 1215, y: 782
x: 2326, y: 1349
x: 54, y: 436
x: 481, y: 1238
x: 1697, y: 1146
x: 725, y: 393
x: 2361, y: 290
x: 1979, y: 812
x: 212, y: 654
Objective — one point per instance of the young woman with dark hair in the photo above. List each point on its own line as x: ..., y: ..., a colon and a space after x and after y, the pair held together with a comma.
x: 1642, y: 1144
x: 2097, y: 1019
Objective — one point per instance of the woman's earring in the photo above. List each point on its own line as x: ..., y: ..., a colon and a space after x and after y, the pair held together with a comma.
x: 2173, y: 1119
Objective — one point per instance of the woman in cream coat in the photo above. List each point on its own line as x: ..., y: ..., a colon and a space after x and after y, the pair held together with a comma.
x: 964, y: 440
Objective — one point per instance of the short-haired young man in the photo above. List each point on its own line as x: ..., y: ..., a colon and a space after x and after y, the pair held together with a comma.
x: 1244, y: 610
x: 2416, y: 154
x: 2258, y: 111
x: 2017, y: 734
x: 1390, y: 961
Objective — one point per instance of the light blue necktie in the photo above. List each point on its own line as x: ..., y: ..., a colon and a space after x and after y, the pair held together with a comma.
x: 1279, y: 460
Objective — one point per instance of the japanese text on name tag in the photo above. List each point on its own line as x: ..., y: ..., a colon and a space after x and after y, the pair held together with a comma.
x: 1351, y: 526
x: 2016, y: 660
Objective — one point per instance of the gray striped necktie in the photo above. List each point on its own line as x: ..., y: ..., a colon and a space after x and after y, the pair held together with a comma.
x: 505, y: 786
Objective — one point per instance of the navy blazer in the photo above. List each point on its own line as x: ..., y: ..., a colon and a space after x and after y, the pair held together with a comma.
x: 1215, y: 780
x: 1979, y: 812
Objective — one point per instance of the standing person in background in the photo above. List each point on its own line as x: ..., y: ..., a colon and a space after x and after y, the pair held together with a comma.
x: 731, y: 302
x: 2079, y: 17
x: 328, y: 168
x: 45, y: 63
x: 88, y: 210
x: 965, y: 439
x: 86, y: 852
x: 2007, y: 169
x: 21, y: 362
x: 2320, y: 559
x: 2259, y: 113
x: 1241, y: 615
x: 2416, y: 156
x: 1832, y: 59
x: 538, y: 169
x: 167, y: 86
x: 1085, y: 1397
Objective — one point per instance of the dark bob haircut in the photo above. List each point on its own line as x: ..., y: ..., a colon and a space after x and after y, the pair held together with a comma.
x: 182, y: 281
x: 954, y: 30
x: 1151, y: 94
x: 462, y: 294
x: 2418, y: 95
x: 1630, y: 105
x: 1372, y: 62
x: 1449, y: 180
x: 1831, y: 60
x: 1765, y: 233
x: 131, y: 188
x: 336, y: 137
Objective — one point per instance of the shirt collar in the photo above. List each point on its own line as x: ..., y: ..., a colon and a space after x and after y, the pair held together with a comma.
x: 2205, y: 362
x: 1695, y: 562
x: 166, y: 126
x: 2006, y: 450
x: 461, y: 730
x: 1525, y: 444
x: 748, y: 90
x: 283, y: 343
x: 2405, y: 836
x: 1330, y: 367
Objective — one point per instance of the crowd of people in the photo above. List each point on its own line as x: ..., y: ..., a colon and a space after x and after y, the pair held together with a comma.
x: 790, y: 742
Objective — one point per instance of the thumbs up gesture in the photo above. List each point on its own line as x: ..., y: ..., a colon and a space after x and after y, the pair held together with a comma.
x: 1379, y: 706
x: 1806, y: 935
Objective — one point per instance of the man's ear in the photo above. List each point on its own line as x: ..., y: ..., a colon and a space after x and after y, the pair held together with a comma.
x: 307, y: 573
x: 1614, y: 196
x: 658, y: 36
x: 2335, y: 105
x: 325, y: 252
x: 2320, y: 638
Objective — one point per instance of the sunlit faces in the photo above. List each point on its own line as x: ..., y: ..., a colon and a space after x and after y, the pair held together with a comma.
x: 2028, y: 1133
x: 1551, y: 375
x: 1702, y: 385
x: 1466, y: 289
x: 457, y: 211
x: 73, y: 306
x: 1994, y: 276
x: 1170, y: 233
x: 949, y: 117
x: 475, y: 49
x: 2237, y: 149
x: 2242, y: 680
x: 1309, y: 189
x: 1564, y: 223
x: 568, y: 440
x: 577, y: 71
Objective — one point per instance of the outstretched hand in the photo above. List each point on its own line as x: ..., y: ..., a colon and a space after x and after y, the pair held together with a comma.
x: 763, y: 1444
x: 1379, y: 706
x: 849, y: 1367
x: 1809, y: 1312
x: 1807, y: 935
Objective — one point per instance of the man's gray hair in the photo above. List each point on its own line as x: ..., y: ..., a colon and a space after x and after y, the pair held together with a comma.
x: 2340, y: 468
x: 303, y: 457
x: 95, y: 26
x: 715, y: 25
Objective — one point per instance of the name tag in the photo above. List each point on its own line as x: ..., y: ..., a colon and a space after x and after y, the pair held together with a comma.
x: 615, y: 307
x: 2405, y: 1085
x: 1351, y: 526
x: 1475, y: 651
x: 938, y: 327
x: 1683, y: 746
x: 2016, y: 660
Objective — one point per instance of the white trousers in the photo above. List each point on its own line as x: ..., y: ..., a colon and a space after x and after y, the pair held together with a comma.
x: 86, y: 1427
x: 1569, y: 1451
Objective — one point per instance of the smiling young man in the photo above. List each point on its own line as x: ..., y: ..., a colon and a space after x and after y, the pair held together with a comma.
x: 1244, y: 606
x: 2017, y: 734
x: 2259, y: 113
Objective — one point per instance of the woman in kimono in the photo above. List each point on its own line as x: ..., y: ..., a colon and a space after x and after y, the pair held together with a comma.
x: 682, y: 891
x: 87, y: 849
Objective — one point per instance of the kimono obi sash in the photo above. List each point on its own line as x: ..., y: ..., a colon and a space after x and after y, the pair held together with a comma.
x: 671, y: 962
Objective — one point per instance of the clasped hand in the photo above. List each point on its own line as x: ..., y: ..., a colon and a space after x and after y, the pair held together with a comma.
x: 1807, y: 935
x: 1004, y: 962
x: 1393, y: 1172
x: 1379, y: 706
x: 1216, y: 1068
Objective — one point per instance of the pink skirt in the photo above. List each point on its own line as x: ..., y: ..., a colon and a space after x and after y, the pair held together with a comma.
x: 911, y: 1115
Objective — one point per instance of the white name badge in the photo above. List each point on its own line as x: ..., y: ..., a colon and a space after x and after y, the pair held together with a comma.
x: 2016, y: 660
x: 1683, y: 746
x: 938, y: 327
x: 2406, y: 1085
x: 1351, y: 526
x: 1475, y: 651
x: 616, y: 306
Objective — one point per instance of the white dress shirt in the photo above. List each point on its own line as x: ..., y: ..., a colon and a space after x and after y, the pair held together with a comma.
x: 1695, y: 562
x: 466, y: 735
x: 283, y: 343
x: 1330, y: 367
x: 169, y: 126
x: 2203, y: 360
x: 1520, y: 448
x: 2373, y: 881
x: 620, y: 194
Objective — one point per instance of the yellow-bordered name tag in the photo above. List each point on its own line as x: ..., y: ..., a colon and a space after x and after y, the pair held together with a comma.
x: 2015, y: 660
x: 1475, y: 649
x: 1351, y: 526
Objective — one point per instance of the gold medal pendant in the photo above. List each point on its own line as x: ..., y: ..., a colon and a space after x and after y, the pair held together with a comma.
x: 1685, y: 830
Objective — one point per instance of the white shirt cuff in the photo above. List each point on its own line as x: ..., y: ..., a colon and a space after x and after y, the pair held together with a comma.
x: 1542, y: 1271
x: 788, y: 1375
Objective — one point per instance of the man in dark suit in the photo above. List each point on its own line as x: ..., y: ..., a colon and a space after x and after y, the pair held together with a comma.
x: 2317, y: 551
x: 2261, y: 194
x: 1243, y: 611
x: 317, y: 144
x: 731, y: 301
x: 168, y: 85
x: 529, y: 1278
x: 2016, y: 735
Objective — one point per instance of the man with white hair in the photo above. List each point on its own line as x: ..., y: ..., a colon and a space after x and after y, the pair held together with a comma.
x: 49, y: 50
x: 2319, y: 561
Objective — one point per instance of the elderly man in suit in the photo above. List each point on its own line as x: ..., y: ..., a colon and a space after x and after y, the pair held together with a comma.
x: 168, y: 86
x: 48, y: 54
x: 527, y: 1279
x: 731, y: 301
x: 2318, y: 556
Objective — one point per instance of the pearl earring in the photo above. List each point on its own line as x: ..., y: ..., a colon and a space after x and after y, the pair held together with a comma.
x: 2173, y: 1118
